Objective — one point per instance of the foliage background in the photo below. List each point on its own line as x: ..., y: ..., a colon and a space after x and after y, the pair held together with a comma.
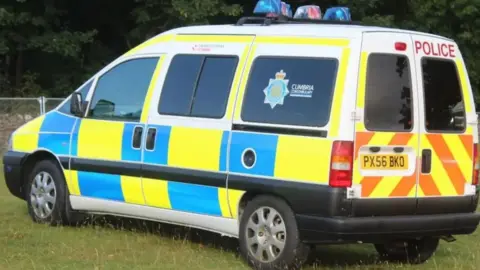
x: 50, y: 47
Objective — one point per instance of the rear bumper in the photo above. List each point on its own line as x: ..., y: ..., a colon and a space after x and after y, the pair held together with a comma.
x: 381, y: 229
x: 12, y: 170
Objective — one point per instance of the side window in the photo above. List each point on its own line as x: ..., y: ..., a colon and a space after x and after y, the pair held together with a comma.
x: 65, y: 108
x: 290, y: 91
x: 388, y: 93
x: 198, y: 86
x: 444, y: 107
x: 120, y: 92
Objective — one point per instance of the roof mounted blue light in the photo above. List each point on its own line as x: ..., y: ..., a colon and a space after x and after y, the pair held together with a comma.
x: 268, y: 7
x: 338, y: 14
x: 311, y: 12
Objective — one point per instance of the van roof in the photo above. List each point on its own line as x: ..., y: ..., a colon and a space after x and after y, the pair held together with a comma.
x: 307, y: 29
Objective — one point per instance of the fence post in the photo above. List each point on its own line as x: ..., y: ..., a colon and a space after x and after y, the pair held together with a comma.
x: 42, y: 104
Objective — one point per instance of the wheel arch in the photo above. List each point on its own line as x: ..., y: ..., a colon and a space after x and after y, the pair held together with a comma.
x: 250, y: 195
x: 31, y: 159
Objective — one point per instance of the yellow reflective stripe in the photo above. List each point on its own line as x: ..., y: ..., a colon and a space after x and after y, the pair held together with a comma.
x: 236, y: 82
x: 132, y: 189
x: 25, y: 139
x: 469, y: 130
x: 460, y: 155
x: 100, y: 139
x: 438, y: 172
x: 465, y: 87
x: 156, y: 193
x: 214, y: 38
x: 241, y: 91
x: 362, y: 80
x: 381, y: 139
x: 148, y: 43
x: 234, y: 197
x: 385, y: 187
x: 223, y: 202
x: 195, y: 148
x: 151, y: 90
x: 337, y: 42
x: 71, y: 178
x: 338, y: 96
x: 360, y: 126
x: 419, y: 192
x: 303, y: 158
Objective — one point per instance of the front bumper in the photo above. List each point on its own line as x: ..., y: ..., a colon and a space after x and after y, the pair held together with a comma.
x: 12, y: 170
x: 381, y: 229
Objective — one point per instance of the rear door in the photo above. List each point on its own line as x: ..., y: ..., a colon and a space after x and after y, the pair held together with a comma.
x: 447, y: 124
x: 386, y: 141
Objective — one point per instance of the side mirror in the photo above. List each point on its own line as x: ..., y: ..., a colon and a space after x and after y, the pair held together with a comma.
x: 76, y: 105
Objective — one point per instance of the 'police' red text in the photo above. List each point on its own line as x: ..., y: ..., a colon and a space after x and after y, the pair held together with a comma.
x: 435, y: 49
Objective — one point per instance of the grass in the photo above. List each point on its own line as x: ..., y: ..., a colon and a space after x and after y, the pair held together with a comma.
x: 130, y: 244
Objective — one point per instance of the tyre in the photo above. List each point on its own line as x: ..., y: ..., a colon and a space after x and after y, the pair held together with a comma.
x: 416, y: 251
x: 269, y: 236
x: 47, y: 194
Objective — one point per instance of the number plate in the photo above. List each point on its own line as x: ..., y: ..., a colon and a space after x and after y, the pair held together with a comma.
x: 384, y: 162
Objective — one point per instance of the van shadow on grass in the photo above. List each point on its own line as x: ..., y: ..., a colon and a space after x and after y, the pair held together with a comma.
x: 321, y: 256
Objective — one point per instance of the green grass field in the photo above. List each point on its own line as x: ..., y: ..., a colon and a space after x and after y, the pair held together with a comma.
x: 130, y: 244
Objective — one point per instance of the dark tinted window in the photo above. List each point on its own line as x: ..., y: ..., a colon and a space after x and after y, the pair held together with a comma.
x: 65, y: 108
x: 120, y: 93
x: 214, y: 87
x: 290, y: 91
x: 444, y: 107
x: 388, y: 96
x: 198, y: 86
x: 177, y: 92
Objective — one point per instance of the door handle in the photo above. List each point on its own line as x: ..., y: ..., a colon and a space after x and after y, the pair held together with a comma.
x: 151, y: 136
x: 426, y: 161
x: 137, y: 137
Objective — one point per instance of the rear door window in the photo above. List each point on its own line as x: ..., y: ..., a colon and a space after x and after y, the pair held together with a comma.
x: 444, y: 104
x: 388, y: 93
x: 198, y: 86
x: 290, y: 91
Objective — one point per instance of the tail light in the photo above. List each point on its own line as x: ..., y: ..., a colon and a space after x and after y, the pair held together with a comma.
x: 341, y: 166
x: 476, y: 164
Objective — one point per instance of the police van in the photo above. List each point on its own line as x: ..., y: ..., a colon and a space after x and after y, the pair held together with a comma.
x: 282, y: 131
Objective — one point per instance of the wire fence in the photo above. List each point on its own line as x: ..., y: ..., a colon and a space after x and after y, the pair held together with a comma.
x: 14, y: 112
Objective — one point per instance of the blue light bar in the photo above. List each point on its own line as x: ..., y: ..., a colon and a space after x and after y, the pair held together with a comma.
x: 268, y: 7
x: 312, y: 12
x: 338, y: 14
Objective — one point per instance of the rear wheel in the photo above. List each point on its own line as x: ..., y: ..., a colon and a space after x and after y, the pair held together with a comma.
x: 415, y: 251
x: 269, y: 236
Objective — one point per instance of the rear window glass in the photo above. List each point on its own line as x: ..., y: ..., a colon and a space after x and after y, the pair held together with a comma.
x: 444, y: 107
x: 388, y: 93
x: 290, y: 91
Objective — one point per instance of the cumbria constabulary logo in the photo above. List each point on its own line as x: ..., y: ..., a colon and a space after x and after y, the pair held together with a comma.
x: 276, y: 90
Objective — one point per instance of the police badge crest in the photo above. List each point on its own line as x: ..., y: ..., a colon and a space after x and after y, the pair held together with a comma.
x: 277, y: 90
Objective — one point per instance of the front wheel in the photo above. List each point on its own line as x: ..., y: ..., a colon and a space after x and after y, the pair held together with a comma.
x: 414, y: 251
x: 269, y: 236
x: 46, y: 193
